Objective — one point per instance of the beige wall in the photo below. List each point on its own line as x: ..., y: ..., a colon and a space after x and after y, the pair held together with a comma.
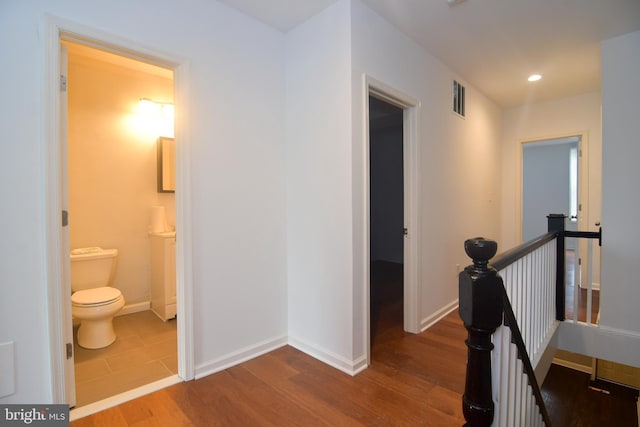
x: 562, y: 117
x: 112, y: 164
x: 576, y: 115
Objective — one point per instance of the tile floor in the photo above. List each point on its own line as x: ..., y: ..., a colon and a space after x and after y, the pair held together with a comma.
x: 144, y: 351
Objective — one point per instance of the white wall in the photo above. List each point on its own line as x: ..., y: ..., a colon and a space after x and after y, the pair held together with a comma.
x: 236, y: 129
x: 326, y: 59
x: 319, y: 230
x: 621, y: 175
x: 458, y: 161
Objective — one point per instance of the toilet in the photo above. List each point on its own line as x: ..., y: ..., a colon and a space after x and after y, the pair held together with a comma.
x: 93, y: 301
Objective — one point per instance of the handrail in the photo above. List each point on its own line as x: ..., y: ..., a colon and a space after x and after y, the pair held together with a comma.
x: 556, y: 224
x: 585, y: 234
x: 512, y: 323
x: 506, y: 258
x: 485, y: 309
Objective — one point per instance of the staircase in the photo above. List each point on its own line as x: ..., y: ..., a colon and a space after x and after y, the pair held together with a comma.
x: 512, y: 308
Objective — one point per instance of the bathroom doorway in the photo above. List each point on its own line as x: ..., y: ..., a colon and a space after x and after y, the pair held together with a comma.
x: 56, y: 202
x: 112, y: 187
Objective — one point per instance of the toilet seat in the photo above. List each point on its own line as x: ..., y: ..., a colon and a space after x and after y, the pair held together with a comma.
x: 96, y: 297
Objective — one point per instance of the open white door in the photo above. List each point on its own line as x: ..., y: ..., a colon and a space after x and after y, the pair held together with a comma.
x: 67, y: 322
x: 55, y: 146
x: 555, y: 178
x: 550, y: 185
x: 411, y: 232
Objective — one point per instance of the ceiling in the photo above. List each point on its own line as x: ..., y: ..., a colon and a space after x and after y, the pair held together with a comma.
x: 494, y: 45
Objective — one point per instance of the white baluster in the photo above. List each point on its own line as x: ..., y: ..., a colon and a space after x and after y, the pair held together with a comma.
x: 589, y: 279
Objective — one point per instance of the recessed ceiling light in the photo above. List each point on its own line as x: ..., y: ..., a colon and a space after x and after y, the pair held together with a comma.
x: 534, y: 77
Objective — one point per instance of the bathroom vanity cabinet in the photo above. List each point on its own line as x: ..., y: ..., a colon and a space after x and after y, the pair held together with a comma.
x: 163, y: 274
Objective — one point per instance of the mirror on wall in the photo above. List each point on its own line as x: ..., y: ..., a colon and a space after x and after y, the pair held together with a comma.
x: 166, y: 165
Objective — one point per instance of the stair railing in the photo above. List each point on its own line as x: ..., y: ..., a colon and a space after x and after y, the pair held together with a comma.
x: 510, y: 323
x: 556, y: 224
x: 502, y: 390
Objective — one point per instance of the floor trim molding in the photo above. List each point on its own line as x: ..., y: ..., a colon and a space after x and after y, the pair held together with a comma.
x: 118, y: 399
x: 350, y: 367
x: 428, y: 322
x: 135, y: 308
x: 239, y: 356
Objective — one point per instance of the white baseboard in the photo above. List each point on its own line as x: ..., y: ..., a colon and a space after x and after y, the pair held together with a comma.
x: 350, y: 367
x: 135, y: 308
x: 353, y: 367
x: 428, y: 322
x: 595, y: 286
x: 239, y: 356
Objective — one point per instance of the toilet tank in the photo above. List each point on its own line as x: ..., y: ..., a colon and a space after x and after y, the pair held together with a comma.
x: 92, y: 267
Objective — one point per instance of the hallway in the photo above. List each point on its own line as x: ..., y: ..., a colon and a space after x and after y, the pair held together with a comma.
x: 414, y: 379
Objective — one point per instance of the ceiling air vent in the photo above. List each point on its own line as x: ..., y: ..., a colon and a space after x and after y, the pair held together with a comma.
x: 458, y: 98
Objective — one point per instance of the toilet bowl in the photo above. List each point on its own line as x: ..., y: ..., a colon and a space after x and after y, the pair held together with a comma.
x: 94, y: 302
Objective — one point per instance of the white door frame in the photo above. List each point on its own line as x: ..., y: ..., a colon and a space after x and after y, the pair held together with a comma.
x: 410, y: 137
x: 583, y: 177
x: 583, y: 186
x: 58, y: 287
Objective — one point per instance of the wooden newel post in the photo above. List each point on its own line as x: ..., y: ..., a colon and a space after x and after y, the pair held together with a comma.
x: 555, y: 223
x: 481, y: 312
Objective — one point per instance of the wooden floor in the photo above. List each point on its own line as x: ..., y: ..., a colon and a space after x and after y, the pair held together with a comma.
x: 413, y: 380
x: 570, y: 401
x: 570, y: 294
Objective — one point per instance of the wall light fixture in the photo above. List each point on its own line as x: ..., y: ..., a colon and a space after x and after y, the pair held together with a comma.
x: 159, y: 114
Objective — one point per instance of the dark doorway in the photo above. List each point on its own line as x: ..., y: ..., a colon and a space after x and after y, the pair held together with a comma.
x: 386, y: 220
